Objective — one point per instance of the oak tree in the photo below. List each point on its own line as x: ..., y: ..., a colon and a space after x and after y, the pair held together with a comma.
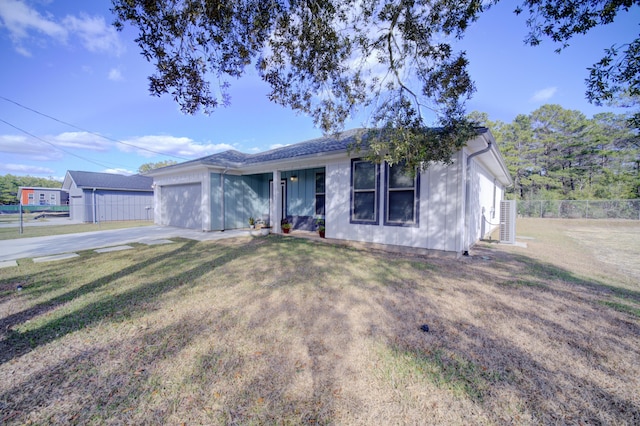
x: 151, y: 166
x: 324, y: 58
x: 329, y: 59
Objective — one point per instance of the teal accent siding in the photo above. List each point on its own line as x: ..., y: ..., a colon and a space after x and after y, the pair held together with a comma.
x: 217, y: 222
x: 245, y: 196
x: 301, y: 194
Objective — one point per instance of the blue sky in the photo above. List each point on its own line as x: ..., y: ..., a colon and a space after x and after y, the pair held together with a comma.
x: 65, y: 60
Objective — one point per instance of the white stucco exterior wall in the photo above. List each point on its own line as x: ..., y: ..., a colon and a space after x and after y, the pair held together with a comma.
x: 485, y: 196
x: 440, y: 210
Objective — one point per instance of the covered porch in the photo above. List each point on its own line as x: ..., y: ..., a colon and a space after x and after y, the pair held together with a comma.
x: 299, y: 198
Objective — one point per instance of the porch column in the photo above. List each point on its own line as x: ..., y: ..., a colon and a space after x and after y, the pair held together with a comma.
x: 276, y: 206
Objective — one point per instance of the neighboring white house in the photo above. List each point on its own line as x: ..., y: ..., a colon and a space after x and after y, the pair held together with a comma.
x: 103, y: 197
x: 445, y: 208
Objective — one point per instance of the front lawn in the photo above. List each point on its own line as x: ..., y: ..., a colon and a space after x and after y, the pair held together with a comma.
x: 290, y: 331
x: 28, y: 231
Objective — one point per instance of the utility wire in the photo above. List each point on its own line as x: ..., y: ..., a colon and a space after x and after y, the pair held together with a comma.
x: 89, y: 131
x: 53, y: 145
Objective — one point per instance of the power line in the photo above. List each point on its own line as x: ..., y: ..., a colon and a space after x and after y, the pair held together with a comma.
x: 89, y: 131
x: 53, y: 145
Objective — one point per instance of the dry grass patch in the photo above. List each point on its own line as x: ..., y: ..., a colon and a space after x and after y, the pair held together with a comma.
x: 282, y: 330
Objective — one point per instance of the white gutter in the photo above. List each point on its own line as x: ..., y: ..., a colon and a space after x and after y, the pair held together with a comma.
x: 222, y: 221
x: 467, y: 192
x: 95, y: 210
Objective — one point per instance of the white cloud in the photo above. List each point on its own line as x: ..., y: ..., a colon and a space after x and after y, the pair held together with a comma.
x: 544, y: 94
x: 24, y: 52
x: 26, y: 169
x: 115, y: 75
x: 277, y: 145
x: 25, y: 24
x: 37, y: 150
x: 20, y: 20
x: 119, y: 172
x: 29, y: 148
x: 80, y: 140
x: 95, y: 34
x: 171, y: 145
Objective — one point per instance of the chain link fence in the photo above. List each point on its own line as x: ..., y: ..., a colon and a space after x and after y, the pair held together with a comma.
x: 580, y: 209
x: 31, y: 208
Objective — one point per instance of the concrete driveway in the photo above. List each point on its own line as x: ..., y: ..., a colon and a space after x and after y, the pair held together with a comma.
x: 59, y: 244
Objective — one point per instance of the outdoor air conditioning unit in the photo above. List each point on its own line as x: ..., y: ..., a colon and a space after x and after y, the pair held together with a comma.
x: 508, y: 221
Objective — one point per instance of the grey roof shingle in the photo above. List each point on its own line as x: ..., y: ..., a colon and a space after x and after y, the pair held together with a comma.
x: 334, y: 143
x: 111, y: 181
x: 232, y: 158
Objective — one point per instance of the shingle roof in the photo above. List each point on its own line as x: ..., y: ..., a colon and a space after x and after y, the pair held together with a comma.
x: 232, y: 158
x: 334, y: 143
x: 111, y: 181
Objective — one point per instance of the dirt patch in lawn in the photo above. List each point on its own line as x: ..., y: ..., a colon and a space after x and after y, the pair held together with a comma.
x: 284, y: 330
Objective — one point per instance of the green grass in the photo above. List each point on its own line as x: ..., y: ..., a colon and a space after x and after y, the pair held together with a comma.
x: 45, y: 231
x: 622, y: 307
x: 446, y: 370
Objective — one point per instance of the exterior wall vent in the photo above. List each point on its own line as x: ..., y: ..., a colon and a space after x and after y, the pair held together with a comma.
x: 508, y: 221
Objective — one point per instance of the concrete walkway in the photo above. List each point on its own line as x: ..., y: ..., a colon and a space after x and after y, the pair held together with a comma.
x: 60, y: 244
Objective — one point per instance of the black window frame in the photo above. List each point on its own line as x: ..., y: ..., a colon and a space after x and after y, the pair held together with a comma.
x: 375, y: 190
x: 416, y: 199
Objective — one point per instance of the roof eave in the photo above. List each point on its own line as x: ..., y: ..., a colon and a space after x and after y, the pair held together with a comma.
x: 171, y: 170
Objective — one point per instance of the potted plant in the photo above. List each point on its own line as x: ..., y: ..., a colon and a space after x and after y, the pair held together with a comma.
x: 252, y: 222
x: 285, y: 226
x: 321, y: 228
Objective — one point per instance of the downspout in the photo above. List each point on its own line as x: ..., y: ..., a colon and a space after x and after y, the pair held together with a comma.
x: 222, y: 196
x: 468, y: 196
x: 95, y: 210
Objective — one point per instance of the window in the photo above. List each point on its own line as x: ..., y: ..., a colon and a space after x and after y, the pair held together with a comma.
x: 401, y: 197
x: 320, y: 194
x: 42, y: 201
x: 364, y: 192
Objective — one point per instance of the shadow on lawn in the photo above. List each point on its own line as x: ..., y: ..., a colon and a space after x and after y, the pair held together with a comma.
x: 45, y: 283
x: 316, y: 323
x: 120, y: 305
x: 553, y: 307
x: 112, y: 394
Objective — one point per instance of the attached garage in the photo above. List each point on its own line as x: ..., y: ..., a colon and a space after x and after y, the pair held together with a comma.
x: 182, y: 205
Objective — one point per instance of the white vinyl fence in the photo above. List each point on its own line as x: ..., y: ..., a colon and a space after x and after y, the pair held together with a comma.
x: 580, y: 209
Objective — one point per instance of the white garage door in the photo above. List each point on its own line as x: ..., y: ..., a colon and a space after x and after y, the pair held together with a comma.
x: 181, y: 205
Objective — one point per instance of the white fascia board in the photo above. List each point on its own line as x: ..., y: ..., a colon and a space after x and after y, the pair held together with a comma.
x: 492, y: 160
x: 177, y: 169
x: 297, y: 163
x: 503, y: 166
